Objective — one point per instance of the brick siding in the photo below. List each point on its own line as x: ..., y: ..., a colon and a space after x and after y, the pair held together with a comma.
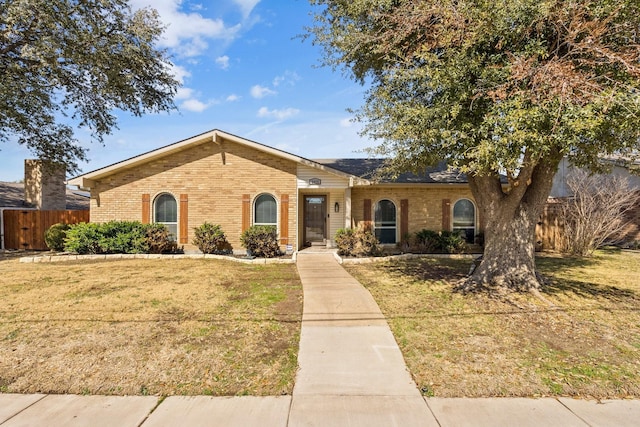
x: 213, y: 177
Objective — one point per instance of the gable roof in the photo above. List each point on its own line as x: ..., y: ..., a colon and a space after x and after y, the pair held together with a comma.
x: 215, y: 136
x: 12, y: 196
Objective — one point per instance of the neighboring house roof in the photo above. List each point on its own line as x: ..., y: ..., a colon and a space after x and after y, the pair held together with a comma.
x: 366, y: 169
x: 12, y: 196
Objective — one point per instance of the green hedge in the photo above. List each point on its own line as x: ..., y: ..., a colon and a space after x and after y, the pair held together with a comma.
x: 126, y: 237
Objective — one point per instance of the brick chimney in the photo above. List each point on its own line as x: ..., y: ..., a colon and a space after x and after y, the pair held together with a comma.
x: 44, y: 186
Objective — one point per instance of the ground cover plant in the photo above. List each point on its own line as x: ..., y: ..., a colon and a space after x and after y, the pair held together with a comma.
x: 165, y: 327
x: 580, y: 337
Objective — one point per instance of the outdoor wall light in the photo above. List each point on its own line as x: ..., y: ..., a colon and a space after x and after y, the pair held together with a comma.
x: 336, y: 207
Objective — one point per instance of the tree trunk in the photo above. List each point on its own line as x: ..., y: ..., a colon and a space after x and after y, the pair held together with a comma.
x: 510, y: 215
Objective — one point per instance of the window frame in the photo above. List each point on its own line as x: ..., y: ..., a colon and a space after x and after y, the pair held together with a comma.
x: 255, y: 210
x: 169, y: 224
x: 474, y: 227
x: 382, y: 225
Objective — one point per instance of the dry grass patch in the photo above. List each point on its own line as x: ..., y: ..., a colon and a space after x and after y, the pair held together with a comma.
x: 581, y: 339
x: 161, y: 327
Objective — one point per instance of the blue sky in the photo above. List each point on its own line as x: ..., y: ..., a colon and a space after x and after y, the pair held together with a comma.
x: 243, y: 71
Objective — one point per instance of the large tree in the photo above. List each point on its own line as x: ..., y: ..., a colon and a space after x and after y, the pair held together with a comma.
x: 497, y: 89
x: 65, y: 62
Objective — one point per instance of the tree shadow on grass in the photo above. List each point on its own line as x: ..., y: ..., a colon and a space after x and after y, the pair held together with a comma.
x: 591, y: 290
x: 431, y: 269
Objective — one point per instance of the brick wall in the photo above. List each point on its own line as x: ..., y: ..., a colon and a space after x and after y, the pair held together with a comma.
x: 213, y: 177
x: 425, y: 204
x: 44, y: 186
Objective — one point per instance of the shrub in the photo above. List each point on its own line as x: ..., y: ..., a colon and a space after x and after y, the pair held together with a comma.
x: 210, y: 239
x: 55, y: 235
x: 123, y: 237
x: 261, y: 241
x: 159, y: 240
x: 345, y: 241
x: 127, y: 237
x: 452, y: 242
x: 359, y: 243
x: 429, y: 241
x: 83, y: 238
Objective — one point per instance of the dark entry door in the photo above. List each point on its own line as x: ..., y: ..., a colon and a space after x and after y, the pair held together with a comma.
x: 315, y: 219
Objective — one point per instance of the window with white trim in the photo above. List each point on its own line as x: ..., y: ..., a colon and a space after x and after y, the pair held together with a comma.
x: 265, y: 210
x: 165, y: 211
x: 464, y: 219
x: 385, y: 221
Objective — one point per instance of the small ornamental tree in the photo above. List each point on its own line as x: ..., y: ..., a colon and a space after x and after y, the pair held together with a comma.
x: 596, y: 211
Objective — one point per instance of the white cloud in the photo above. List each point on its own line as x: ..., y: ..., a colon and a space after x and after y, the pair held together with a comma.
x: 184, y: 93
x: 194, y: 105
x: 258, y: 91
x: 346, y: 123
x: 233, y: 97
x: 223, y: 62
x: 278, y: 114
x: 246, y: 6
x: 186, y: 33
x: 289, y: 77
x: 180, y: 73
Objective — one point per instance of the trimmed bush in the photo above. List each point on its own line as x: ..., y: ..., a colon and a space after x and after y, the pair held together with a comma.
x: 359, y: 243
x: 261, y: 241
x: 159, y: 240
x: 345, y: 241
x: 429, y: 241
x: 126, y: 237
x: 123, y: 237
x: 210, y: 239
x: 55, y: 235
x: 83, y: 238
x: 453, y: 242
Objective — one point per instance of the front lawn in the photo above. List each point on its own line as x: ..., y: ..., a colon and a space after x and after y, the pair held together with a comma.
x: 581, y: 338
x: 152, y: 326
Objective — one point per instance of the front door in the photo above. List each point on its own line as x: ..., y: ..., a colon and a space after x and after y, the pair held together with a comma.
x: 315, y: 219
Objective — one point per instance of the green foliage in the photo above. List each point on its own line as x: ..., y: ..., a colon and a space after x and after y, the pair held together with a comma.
x: 78, y: 60
x: 261, y: 241
x: 429, y: 241
x: 123, y: 237
x: 83, y: 238
x: 127, y: 237
x: 360, y: 242
x: 55, y: 235
x: 210, y: 239
x: 488, y: 88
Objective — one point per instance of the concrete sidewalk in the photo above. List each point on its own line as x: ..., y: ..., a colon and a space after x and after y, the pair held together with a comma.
x: 351, y: 373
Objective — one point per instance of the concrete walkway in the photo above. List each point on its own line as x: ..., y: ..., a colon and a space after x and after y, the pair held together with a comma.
x: 351, y: 374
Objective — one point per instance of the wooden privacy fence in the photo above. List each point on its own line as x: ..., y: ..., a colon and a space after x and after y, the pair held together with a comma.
x: 24, y: 229
x: 550, y: 226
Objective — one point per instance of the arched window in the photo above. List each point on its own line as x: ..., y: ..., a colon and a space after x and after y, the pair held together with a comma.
x: 165, y: 211
x: 464, y: 219
x: 385, y: 221
x: 265, y: 210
